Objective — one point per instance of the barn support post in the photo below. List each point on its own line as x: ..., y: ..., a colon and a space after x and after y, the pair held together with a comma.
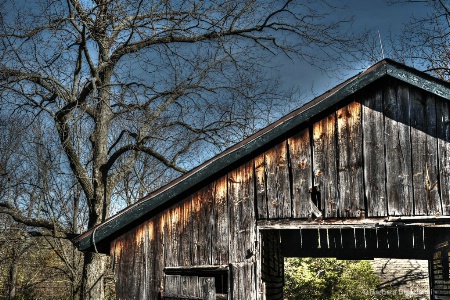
x: 271, y: 280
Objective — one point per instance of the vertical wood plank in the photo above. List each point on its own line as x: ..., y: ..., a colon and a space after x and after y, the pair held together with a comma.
x: 140, y: 263
x: 301, y: 169
x: 443, y: 135
x: 186, y: 238
x: 398, y: 150
x: 219, y: 239
x: 184, y: 286
x: 424, y: 154
x: 373, y: 149
x: 278, y: 189
x: 159, y: 253
x: 241, y: 212
x: 151, y: 285
x: 243, y: 285
x: 171, y: 234
x: 193, y: 287
x: 260, y: 179
x: 324, y: 163
x: 196, y: 243
x: 125, y: 268
x: 207, y: 287
x: 207, y: 225
x: 172, y: 285
x: 241, y: 197
x: 235, y: 288
x: 350, y: 172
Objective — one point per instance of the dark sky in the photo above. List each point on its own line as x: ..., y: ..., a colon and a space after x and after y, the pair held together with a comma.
x: 374, y: 15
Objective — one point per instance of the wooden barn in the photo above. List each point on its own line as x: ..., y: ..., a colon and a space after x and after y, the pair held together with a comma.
x: 360, y: 172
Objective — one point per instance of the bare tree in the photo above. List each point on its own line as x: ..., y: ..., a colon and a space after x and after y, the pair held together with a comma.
x: 44, y: 202
x: 157, y: 82
x: 424, y: 41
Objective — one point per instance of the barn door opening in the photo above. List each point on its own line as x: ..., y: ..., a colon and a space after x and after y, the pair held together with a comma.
x: 396, y: 247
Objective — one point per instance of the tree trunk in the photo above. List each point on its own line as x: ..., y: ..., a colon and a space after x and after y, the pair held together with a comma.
x: 12, y: 280
x: 93, y: 276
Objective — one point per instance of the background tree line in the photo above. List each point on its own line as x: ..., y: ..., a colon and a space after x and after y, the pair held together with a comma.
x: 104, y: 101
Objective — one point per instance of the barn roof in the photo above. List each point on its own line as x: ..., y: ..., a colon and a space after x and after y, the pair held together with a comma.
x: 98, y: 238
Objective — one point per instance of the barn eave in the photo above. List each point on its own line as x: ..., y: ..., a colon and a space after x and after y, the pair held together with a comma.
x: 98, y: 238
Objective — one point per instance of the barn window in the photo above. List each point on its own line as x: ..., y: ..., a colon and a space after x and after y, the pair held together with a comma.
x: 198, y: 282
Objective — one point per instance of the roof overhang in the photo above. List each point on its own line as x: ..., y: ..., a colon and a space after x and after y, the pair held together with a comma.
x: 98, y: 238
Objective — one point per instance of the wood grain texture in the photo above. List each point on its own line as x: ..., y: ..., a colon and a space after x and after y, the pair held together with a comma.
x: 301, y: 170
x: 186, y: 238
x: 324, y: 163
x: 350, y: 170
x: 278, y: 188
x: 390, y: 147
x: 443, y: 136
x: 221, y: 233
x: 261, y: 188
x: 374, y: 156
x: 241, y: 195
x: 398, y: 150
x: 241, y: 212
x: 152, y: 288
x: 424, y: 154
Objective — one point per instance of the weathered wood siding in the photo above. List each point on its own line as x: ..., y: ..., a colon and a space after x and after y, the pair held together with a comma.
x: 215, y: 226
x: 384, y: 152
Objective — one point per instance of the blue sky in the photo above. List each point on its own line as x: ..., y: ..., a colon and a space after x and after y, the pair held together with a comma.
x: 374, y: 15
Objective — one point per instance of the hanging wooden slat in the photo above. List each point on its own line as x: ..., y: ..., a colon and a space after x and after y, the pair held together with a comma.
x: 335, y: 238
x: 310, y: 238
x: 323, y: 238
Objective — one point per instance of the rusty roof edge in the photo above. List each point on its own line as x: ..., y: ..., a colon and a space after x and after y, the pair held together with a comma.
x: 245, y: 148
